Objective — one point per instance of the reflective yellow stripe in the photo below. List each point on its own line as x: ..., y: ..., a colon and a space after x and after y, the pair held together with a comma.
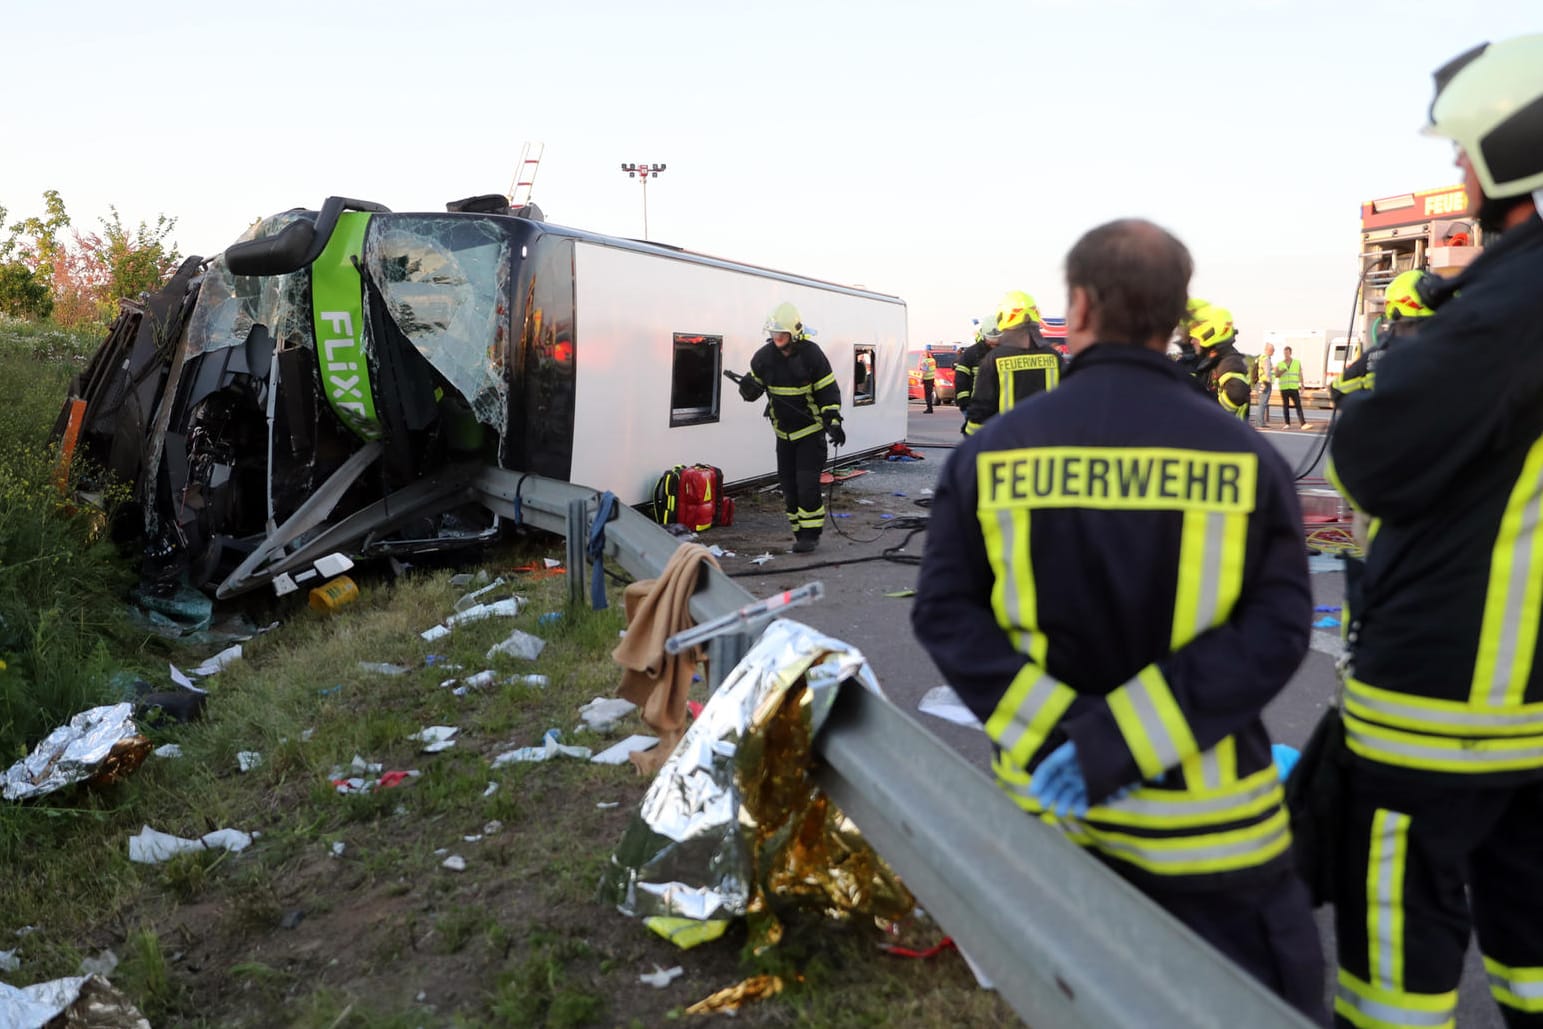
x: 1214, y: 768
x: 1387, y: 850
x: 807, y: 430
x: 1238, y: 409
x: 1441, y: 717
x: 1440, y: 753
x: 1518, y: 988
x: 1199, y: 854
x: 1362, y: 1004
x: 828, y: 380
x: 1194, y: 853
x: 1151, y: 723
x: 1118, y: 479
x: 1360, y: 382
x: 1509, y: 636
x: 1006, y: 535
x: 1027, y: 712
x: 1212, y: 548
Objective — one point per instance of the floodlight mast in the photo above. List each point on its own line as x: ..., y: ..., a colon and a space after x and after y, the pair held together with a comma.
x: 643, y: 171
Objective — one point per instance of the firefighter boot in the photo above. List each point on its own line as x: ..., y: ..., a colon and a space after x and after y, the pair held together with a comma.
x: 805, y: 540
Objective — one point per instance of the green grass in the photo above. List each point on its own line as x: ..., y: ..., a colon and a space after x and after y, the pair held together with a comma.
x: 518, y: 939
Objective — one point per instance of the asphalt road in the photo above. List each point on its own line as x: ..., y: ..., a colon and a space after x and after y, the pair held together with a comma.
x: 858, y: 606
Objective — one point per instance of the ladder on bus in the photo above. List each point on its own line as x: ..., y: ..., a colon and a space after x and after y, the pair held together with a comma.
x: 525, y: 175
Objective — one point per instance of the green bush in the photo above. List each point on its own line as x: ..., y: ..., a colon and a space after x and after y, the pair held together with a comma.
x: 23, y: 293
x: 58, y: 585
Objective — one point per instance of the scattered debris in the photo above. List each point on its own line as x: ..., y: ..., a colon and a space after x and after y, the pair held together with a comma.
x: 338, y: 848
x: 436, y: 738
x: 82, y: 1000
x: 761, y: 559
x: 732, y: 998
x: 686, y: 933
x: 607, y: 805
x: 506, y: 608
x: 247, y: 760
x: 618, y: 753
x: 470, y: 599
x: 387, y: 781
x: 492, y: 789
x: 492, y: 827
x: 382, y: 668
x: 101, y: 744
x: 219, y: 662
x: 455, y: 862
x: 901, y: 593
x: 330, y: 596
x: 659, y: 978
x: 151, y: 847
x: 717, y: 551
x: 519, y: 644
x: 168, y: 750
x: 9, y: 962
x: 549, y: 748
x: 942, y: 702
x: 603, y: 713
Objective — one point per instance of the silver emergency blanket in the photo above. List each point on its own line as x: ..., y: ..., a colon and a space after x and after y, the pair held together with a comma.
x: 734, y: 822
x: 78, y: 1002
x: 71, y: 753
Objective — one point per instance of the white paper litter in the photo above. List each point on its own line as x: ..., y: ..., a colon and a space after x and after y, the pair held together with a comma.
x: 469, y: 600
x: 338, y: 848
x: 382, y: 668
x: 181, y: 679
x: 151, y: 847
x: 552, y: 562
x: 717, y: 551
x: 942, y: 702
x: 519, y: 644
x: 435, y: 633
x: 617, y: 753
x: 9, y: 962
x: 659, y: 978
x: 435, y: 738
x: 283, y: 585
x: 492, y: 789
x: 359, y: 764
x: 473, y: 838
x: 506, y: 608
x: 247, y: 760
x: 455, y: 862
x: 218, y: 662
x: 168, y: 750
x: 606, y: 805
x: 602, y: 713
x: 550, y: 748
x: 761, y: 560
x: 492, y: 828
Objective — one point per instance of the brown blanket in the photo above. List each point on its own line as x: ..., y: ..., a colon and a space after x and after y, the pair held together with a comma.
x: 653, y: 680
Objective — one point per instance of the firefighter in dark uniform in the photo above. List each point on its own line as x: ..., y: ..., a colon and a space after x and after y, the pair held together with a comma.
x: 1442, y: 825
x: 967, y: 362
x: 1114, y: 583
x: 1019, y: 366
x: 804, y: 404
x: 1219, y: 367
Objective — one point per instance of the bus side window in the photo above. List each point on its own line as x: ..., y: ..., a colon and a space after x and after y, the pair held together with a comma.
x: 864, y: 357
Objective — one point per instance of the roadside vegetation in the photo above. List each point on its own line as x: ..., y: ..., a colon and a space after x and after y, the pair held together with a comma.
x: 342, y: 912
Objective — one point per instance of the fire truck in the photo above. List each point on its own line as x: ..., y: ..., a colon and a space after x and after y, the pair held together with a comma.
x: 1429, y: 230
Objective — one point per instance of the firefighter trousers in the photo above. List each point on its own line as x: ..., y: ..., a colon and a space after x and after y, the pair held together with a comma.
x: 799, y: 463
x: 1421, y: 863
x: 1265, y: 927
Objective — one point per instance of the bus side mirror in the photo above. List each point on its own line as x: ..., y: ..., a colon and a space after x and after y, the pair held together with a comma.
x: 278, y: 254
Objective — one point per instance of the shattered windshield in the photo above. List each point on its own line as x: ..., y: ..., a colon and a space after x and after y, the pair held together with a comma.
x: 229, y: 305
x: 445, y: 282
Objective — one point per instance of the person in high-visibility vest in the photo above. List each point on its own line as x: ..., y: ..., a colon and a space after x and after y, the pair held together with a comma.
x: 1439, y: 830
x: 1288, y: 376
x: 1114, y: 583
x: 929, y: 370
x: 1264, y: 370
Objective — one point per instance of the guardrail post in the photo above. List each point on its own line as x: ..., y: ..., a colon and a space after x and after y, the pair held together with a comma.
x: 577, y: 536
x: 723, y: 653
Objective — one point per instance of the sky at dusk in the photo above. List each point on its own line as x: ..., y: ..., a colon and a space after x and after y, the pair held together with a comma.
x: 941, y: 152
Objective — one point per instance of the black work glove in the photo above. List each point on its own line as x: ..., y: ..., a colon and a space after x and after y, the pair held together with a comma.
x: 748, y: 390
x: 837, y: 434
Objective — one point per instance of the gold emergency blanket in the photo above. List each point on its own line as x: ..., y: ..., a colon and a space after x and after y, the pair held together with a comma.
x: 734, y: 824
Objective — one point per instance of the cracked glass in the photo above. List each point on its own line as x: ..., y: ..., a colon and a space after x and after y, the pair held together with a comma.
x: 229, y: 305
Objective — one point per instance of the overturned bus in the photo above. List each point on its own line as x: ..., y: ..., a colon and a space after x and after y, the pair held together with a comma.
x: 331, y: 359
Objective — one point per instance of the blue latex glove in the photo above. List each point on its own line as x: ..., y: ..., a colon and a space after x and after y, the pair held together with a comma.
x: 1058, y: 783
x: 1285, y: 758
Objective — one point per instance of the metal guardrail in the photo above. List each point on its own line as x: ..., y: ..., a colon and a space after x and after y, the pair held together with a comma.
x: 1065, y: 941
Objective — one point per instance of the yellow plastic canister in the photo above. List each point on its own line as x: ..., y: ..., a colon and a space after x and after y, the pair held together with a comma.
x: 333, y: 595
